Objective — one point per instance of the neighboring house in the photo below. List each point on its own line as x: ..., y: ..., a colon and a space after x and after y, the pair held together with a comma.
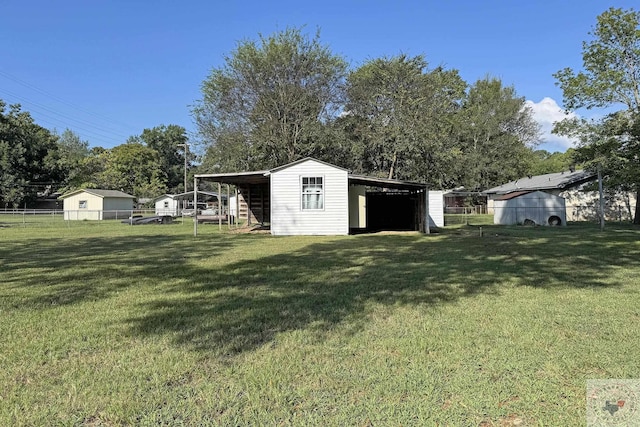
x: 96, y: 204
x: 529, y: 208
x: 581, y: 203
x: 559, y: 184
x: 310, y: 197
x: 173, y: 204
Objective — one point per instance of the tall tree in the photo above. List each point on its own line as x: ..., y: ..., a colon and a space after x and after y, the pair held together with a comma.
x: 28, y: 157
x: 400, y: 112
x: 268, y: 100
x: 166, y: 140
x: 610, y: 78
x: 497, y: 132
x: 72, y: 160
x: 135, y: 169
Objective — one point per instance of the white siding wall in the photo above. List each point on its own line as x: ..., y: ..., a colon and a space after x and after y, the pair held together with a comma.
x: 93, y: 210
x: 436, y: 208
x: 171, y: 210
x: 287, y: 216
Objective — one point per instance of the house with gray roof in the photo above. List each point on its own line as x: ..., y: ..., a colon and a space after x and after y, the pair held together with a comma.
x: 581, y: 202
x: 96, y: 204
x: 553, y: 183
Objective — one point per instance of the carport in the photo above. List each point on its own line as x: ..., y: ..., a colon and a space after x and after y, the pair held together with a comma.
x: 365, y: 203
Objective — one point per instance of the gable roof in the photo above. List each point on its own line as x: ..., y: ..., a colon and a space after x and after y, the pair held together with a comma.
x: 306, y: 159
x: 99, y: 193
x: 550, y: 181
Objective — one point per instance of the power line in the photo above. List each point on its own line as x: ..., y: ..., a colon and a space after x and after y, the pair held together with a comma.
x: 105, y: 131
x: 72, y: 119
x: 65, y: 102
x: 54, y: 121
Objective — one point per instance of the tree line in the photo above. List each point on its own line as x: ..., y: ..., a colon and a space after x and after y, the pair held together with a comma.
x: 285, y: 96
x: 36, y: 161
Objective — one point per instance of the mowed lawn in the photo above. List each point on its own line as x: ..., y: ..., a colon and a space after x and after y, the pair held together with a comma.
x: 106, y: 325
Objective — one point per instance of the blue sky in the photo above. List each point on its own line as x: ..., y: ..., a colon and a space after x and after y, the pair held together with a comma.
x: 109, y: 69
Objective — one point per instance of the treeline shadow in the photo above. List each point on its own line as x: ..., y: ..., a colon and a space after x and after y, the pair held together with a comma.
x: 245, y: 304
x: 233, y: 306
x: 44, y: 272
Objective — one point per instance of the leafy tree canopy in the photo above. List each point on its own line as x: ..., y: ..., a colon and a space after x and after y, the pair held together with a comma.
x: 28, y: 157
x: 167, y: 141
x: 610, y: 78
x: 269, y: 99
x: 404, y: 113
x: 497, y: 132
x: 135, y: 169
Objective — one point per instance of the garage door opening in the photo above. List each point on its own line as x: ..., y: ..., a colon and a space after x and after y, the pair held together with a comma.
x: 392, y: 211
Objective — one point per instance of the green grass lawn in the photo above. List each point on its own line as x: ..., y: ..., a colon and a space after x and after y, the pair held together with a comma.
x: 110, y: 324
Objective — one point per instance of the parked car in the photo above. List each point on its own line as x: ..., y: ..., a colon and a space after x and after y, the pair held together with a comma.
x: 191, y: 211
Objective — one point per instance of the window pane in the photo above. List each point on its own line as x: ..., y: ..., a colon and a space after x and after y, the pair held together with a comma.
x: 312, y: 192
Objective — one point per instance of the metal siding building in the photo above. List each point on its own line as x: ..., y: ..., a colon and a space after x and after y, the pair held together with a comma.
x: 529, y: 207
x: 288, y: 213
x: 309, y: 196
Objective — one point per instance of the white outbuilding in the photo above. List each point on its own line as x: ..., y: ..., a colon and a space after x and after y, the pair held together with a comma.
x: 309, y: 196
x: 96, y: 204
x: 529, y: 208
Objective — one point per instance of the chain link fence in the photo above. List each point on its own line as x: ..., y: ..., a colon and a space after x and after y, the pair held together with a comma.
x: 70, y: 218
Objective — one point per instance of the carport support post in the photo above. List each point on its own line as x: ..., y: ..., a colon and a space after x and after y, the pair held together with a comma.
x: 237, y: 207
x: 600, y: 190
x: 228, y: 207
x: 219, y: 206
x: 427, y: 228
x: 195, y: 206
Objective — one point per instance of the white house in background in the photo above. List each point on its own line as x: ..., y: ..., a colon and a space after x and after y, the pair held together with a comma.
x: 309, y: 197
x: 167, y: 205
x: 96, y: 204
x: 173, y: 204
x: 529, y: 207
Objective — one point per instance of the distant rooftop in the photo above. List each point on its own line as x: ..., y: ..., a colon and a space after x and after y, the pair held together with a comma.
x: 100, y: 193
x: 550, y: 181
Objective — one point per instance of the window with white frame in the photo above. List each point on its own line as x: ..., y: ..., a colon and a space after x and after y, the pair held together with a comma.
x: 82, y: 204
x: 312, y: 193
x: 166, y: 204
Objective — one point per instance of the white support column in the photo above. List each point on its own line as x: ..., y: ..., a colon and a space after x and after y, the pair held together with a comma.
x: 195, y: 206
x: 427, y: 226
x: 219, y: 206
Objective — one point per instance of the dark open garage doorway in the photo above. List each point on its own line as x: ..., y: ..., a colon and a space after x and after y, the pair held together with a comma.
x: 391, y: 210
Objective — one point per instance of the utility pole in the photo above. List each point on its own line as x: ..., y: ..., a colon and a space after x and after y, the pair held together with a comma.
x: 186, y: 153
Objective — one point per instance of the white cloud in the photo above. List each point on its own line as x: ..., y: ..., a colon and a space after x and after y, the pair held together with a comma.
x: 546, y: 113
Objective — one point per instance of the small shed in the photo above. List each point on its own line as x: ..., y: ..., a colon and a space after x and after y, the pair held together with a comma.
x: 96, y: 204
x: 529, y: 207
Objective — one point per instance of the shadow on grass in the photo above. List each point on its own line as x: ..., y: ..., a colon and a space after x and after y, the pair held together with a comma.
x: 245, y: 304
x: 235, y: 306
